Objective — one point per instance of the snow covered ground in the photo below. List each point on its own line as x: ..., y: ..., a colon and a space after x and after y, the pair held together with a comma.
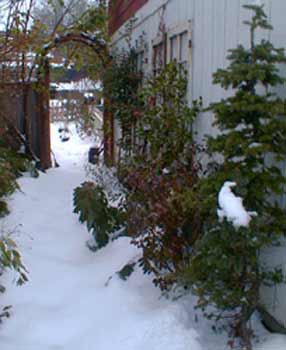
x: 66, y: 304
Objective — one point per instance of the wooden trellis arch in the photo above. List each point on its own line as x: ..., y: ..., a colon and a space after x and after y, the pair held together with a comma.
x: 99, y: 46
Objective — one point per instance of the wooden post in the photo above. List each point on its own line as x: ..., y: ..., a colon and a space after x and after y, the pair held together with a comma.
x: 44, y: 116
x: 108, y: 127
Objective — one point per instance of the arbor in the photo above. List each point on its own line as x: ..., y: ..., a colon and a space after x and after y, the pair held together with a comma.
x: 26, y: 43
x: 225, y: 268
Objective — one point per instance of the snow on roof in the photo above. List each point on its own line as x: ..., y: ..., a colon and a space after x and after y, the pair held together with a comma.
x: 57, y: 65
x: 81, y: 85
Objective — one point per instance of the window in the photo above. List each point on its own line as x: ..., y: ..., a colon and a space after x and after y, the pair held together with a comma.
x: 158, y: 58
x: 183, y: 48
x: 173, y: 48
x: 179, y: 49
x: 140, y: 61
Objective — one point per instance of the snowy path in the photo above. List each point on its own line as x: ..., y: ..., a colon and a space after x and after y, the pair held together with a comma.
x: 66, y: 304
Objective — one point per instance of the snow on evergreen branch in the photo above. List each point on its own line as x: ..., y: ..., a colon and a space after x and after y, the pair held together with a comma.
x: 231, y: 207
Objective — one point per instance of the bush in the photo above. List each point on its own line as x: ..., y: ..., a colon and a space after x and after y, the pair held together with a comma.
x: 11, y: 167
x: 91, y: 203
x: 10, y: 258
x: 162, y: 216
x: 225, y: 269
x: 163, y: 219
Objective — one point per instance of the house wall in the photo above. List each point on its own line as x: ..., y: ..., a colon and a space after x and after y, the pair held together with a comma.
x: 214, y: 27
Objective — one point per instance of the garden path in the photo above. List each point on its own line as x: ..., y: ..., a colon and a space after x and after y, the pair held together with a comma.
x: 66, y: 305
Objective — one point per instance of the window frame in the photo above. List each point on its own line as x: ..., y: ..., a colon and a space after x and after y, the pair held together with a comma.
x: 176, y: 33
x: 160, y: 42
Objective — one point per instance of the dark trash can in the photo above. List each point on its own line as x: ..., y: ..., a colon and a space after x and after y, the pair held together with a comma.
x: 93, y: 155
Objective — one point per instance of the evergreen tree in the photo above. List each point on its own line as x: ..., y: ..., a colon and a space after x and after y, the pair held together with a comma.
x: 252, y: 122
x: 225, y: 269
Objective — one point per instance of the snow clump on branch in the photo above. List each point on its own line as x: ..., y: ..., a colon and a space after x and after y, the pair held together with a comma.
x: 231, y: 207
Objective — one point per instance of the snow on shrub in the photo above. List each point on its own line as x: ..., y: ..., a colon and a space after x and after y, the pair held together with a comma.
x: 225, y: 269
x: 231, y: 207
x: 91, y: 203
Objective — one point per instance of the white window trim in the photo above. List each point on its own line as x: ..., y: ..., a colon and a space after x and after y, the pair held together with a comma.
x: 176, y: 31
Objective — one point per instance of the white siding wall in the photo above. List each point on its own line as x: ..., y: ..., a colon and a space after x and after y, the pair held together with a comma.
x: 217, y: 26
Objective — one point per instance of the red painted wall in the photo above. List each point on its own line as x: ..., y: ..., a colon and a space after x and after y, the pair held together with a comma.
x: 121, y: 10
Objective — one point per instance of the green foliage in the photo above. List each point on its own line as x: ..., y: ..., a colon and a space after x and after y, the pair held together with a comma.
x: 8, y: 180
x: 3, y: 208
x: 162, y: 217
x: 121, y: 85
x: 5, y: 312
x: 10, y: 258
x: 225, y: 268
x: 165, y: 127
x: 17, y: 163
x: 11, y: 166
x: 91, y: 203
x: 126, y: 271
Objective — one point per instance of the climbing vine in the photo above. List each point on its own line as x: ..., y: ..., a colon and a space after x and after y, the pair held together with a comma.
x: 122, y: 83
